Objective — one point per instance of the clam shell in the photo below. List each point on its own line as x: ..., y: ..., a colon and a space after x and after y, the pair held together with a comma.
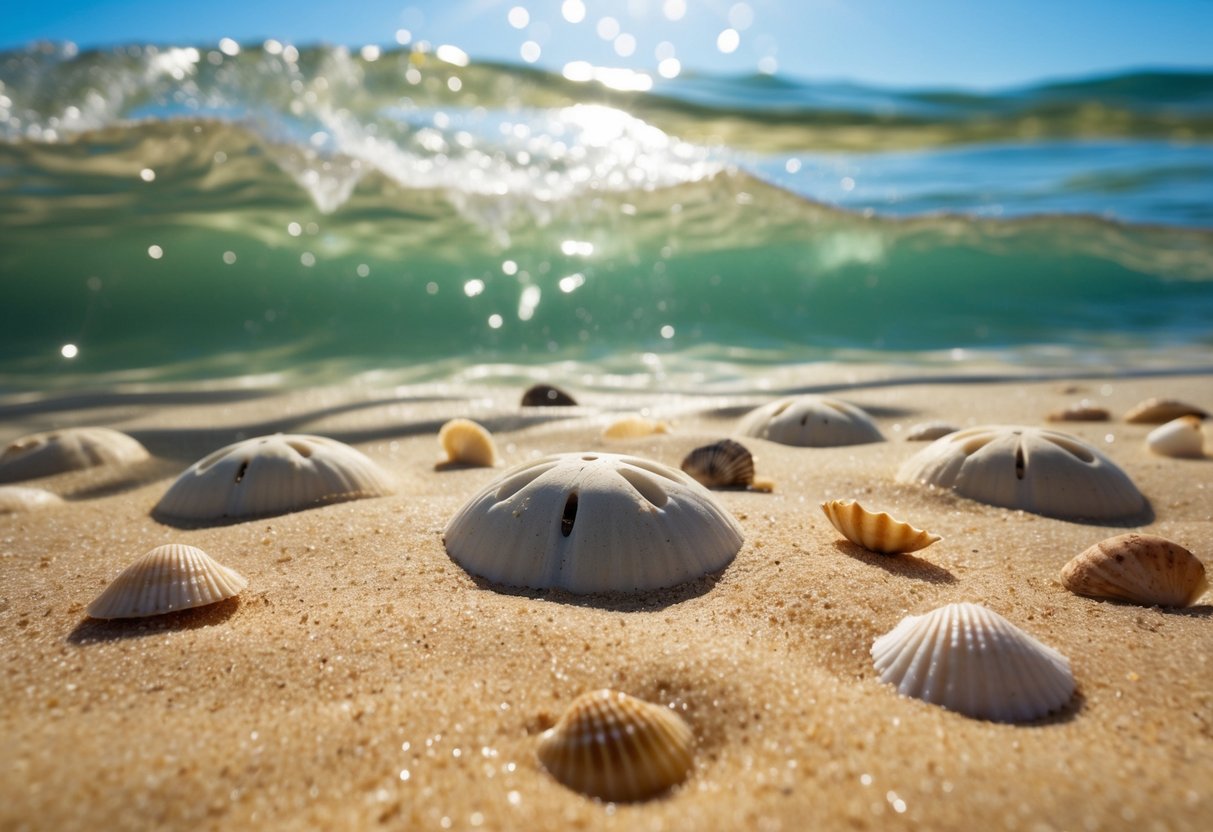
x: 929, y: 431
x: 592, y: 522
x: 14, y: 499
x: 969, y: 659
x: 70, y: 449
x: 811, y: 422
x: 1141, y: 568
x: 634, y: 426
x: 468, y: 443
x: 272, y: 475
x: 167, y: 579
x: 618, y: 748
x: 1034, y: 469
x: 876, y: 531
x: 1156, y: 411
x: 545, y: 395
x: 1180, y: 438
x: 723, y: 464
x: 1084, y: 411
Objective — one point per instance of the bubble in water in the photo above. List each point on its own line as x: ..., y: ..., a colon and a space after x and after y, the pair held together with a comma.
x: 728, y: 41
x: 69, y: 351
x: 518, y: 17
x: 147, y: 175
x: 155, y: 252
x: 573, y: 11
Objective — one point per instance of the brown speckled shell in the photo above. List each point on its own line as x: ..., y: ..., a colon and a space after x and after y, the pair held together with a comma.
x: 1141, y: 568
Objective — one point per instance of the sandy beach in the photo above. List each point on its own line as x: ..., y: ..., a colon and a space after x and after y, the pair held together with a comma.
x: 365, y: 680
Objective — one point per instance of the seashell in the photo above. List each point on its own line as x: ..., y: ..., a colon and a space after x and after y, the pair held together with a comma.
x: 617, y: 748
x: 272, y: 475
x: 811, y: 422
x: 1141, y: 568
x: 592, y: 522
x: 1084, y: 411
x: 1156, y: 411
x: 634, y: 426
x: 969, y: 659
x: 70, y: 449
x: 877, y: 532
x: 545, y: 395
x: 14, y: 499
x: 929, y: 431
x: 723, y: 464
x: 1034, y: 469
x: 167, y: 579
x: 468, y: 443
x: 1180, y: 437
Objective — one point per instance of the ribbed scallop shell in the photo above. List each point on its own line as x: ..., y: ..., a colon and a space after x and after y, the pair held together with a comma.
x: 14, y: 499
x: 969, y: 659
x: 811, y: 422
x: 1141, y: 568
x: 618, y: 748
x: 1084, y: 411
x: 592, y: 522
x: 1034, y: 469
x: 272, y: 475
x: 929, y: 431
x: 634, y: 426
x: 545, y: 395
x: 876, y: 531
x: 69, y: 449
x: 468, y: 443
x: 1181, y: 438
x: 723, y: 464
x: 167, y: 579
x: 1157, y: 411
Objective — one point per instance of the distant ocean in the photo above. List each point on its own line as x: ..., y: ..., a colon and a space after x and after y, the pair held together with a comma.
x: 177, y: 213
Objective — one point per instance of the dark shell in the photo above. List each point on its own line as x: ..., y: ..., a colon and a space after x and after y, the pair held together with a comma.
x: 545, y: 395
x: 1081, y: 412
x: 723, y: 464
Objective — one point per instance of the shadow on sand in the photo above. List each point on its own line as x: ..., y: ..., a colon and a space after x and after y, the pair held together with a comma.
x: 96, y: 631
x: 906, y: 566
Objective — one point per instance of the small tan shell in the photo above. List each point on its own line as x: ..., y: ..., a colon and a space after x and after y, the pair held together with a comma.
x: 1180, y: 438
x: 1157, y: 411
x: 1141, y: 568
x: 1084, y: 411
x: 634, y: 426
x: 69, y: 449
x: 617, y: 748
x: 468, y: 443
x: 545, y: 395
x: 15, y: 499
x: 723, y: 464
x: 876, y: 531
x: 929, y: 431
x: 167, y: 579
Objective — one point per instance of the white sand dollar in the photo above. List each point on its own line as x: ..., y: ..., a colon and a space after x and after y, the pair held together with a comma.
x: 69, y: 449
x: 167, y: 579
x: 969, y: 659
x: 592, y: 522
x: 1034, y: 469
x: 16, y: 499
x: 272, y: 475
x: 811, y: 422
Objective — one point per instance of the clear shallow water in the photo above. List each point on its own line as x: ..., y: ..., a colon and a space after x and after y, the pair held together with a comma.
x: 180, y: 213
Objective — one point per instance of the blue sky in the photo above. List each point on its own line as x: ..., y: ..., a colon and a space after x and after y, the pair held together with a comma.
x: 969, y: 43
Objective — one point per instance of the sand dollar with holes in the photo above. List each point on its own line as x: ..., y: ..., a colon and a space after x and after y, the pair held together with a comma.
x: 811, y: 422
x: 593, y: 522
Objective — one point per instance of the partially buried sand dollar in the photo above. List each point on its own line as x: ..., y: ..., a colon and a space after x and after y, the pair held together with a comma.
x: 69, y: 449
x: 811, y: 422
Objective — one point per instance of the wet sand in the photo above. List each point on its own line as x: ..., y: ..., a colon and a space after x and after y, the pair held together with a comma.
x: 364, y: 679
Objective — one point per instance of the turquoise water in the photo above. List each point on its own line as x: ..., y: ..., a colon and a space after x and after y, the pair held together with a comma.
x: 177, y: 213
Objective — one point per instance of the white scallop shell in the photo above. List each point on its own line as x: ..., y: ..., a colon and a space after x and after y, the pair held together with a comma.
x: 634, y: 426
x: 167, y: 579
x: 468, y: 443
x: 1180, y: 438
x: 272, y: 475
x: 811, y: 422
x: 1140, y: 568
x: 15, y: 499
x: 69, y: 449
x: 969, y: 659
x: 1034, y: 469
x: 876, y: 531
x: 929, y: 431
x: 618, y: 748
x: 592, y: 522
x: 1157, y: 411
